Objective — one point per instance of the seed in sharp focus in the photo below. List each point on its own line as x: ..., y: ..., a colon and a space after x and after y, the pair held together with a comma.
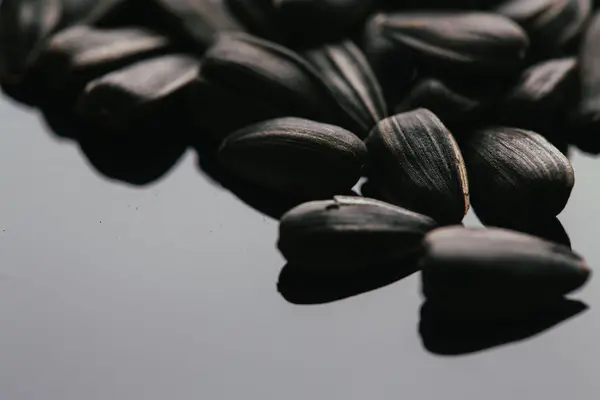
x: 586, y: 116
x: 480, y: 266
x: 295, y: 156
x: 551, y: 24
x: 444, y: 101
x: 349, y: 232
x: 515, y: 174
x: 80, y: 54
x: 416, y: 163
x: 348, y: 75
x: 448, y: 42
x: 139, y: 95
x: 25, y: 25
x: 273, y: 75
x: 197, y: 20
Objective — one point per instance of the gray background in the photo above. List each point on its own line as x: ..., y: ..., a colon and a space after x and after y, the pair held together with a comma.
x: 168, y: 292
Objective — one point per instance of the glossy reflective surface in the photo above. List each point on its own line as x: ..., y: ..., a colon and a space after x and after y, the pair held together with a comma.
x: 168, y: 291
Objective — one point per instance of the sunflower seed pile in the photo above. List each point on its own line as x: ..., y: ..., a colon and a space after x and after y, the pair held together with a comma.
x: 438, y: 106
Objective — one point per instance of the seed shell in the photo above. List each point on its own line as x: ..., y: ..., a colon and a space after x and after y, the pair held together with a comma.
x: 329, y: 19
x: 417, y: 164
x: 475, y: 265
x: 551, y: 24
x: 200, y: 21
x: 295, y: 156
x: 349, y: 232
x: 25, y: 25
x: 542, y: 87
x: 139, y: 95
x: 348, y: 75
x: 80, y: 54
x: 449, y: 104
x: 515, y: 174
x: 258, y: 16
x: 586, y: 116
x: 460, y: 42
x: 273, y: 75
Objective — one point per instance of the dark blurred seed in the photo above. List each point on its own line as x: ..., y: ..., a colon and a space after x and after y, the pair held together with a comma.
x: 25, y: 25
x: 348, y: 75
x: 369, y: 189
x: 515, y: 175
x: 275, y: 76
x: 444, y: 101
x: 295, y: 156
x: 347, y: 232
x: 73, y: 10
x: 80, y: 54
x: 586, y: 117
x: 217, y: 110
x: 306, y: 284
x: 541, y: 89
x: 258, y: 16
x: 94, y: 11
x: 392, y: 62
x: 497, y: 266
x: 130, y: 159
x: 417, y: 164
x: 329, y: 19
x: 107, y: 13
x: 127, y: 158
x: 549, y: 229
x: 445, y: 334
x: 272, y: 74
x: 540, y: 99
x: 545, y: 85
x: 197, y: 20
x: 551, y: 24
x: 139, y: 95
x: 438, y: 4
x: 462, y: 43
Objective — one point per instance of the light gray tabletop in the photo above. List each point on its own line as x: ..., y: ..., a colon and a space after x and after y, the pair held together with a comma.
x: 168, y: 291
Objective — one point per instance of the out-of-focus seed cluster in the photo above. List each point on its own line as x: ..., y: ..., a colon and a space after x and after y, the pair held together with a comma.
x: 438, y: 105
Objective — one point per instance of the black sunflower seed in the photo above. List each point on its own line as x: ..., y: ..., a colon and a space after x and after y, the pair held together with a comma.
x: 275, y: 76
x: 198, y: 21
x: 497, y: 266
x: 551, y: 24
x: 463, y: 43
x: 329, y: 19
x: 258, y: 16
x: 515, y: 175
x: 415, y: 163
x: 140, y: 95
x: 77, y: 55
x: 586, y: 116
x: 348, y: 75
x: 449, y: 104
x: 295, y: 156
x: 25, y: 25
x: 350, y: 232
